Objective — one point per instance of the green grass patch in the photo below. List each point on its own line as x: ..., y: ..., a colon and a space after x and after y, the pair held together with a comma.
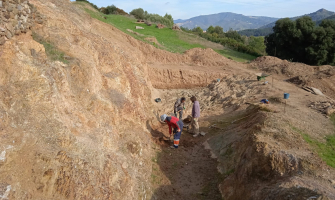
x: 332, y: 118
x: 235, y: 55
x: 52, y: 52
x: 168, y: 39
x: 325, y: 150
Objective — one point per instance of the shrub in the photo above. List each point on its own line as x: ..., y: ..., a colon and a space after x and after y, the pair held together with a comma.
x: 93, y: 5
x: 138, y: 13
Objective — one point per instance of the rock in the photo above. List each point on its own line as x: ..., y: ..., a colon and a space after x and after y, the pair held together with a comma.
x: 2, y: 40
x: 329, y: 110
x: 317, y: 91
x: 332, y: 182
x: 8, y: 35
x: 0, y: 4
x: 2, y: 29
x: 160, y: 26
x: 39, y: 21
x: 203, y: 133
x: 138, y: 27
x: 17, y: 32
x: 176, y: 27
x: 125, y: 165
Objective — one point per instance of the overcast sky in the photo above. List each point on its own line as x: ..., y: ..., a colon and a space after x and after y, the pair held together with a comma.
x: 185, y: 9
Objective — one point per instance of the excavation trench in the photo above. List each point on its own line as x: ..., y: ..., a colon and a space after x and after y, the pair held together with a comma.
x: 192, y: 170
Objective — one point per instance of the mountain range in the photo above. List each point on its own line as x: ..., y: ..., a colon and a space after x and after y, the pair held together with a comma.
x: 317, y: 16
x: 239, y: 22
x: 226, y: 20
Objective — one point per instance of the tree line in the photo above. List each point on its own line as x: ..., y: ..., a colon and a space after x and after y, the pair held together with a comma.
x: 303, y: 41
x: 139, y: 13
x: 251, y: 45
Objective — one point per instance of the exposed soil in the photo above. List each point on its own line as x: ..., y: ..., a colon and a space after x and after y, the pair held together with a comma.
x: 89, y: 129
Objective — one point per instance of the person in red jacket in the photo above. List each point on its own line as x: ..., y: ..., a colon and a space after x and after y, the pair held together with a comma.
x: 177, y: 125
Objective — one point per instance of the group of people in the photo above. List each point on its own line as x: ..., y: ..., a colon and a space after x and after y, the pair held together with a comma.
x: 177, y: 123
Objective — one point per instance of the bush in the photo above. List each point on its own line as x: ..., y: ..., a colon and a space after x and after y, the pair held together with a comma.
x: 138, y: 13
x: 93, y: 5
x: 302, y: 41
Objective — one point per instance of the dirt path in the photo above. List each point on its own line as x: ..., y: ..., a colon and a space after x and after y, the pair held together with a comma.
x: 186, y: 173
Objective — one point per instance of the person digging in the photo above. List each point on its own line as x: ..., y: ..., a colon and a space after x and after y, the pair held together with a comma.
x: 177, y: 125
x: 179, y: 107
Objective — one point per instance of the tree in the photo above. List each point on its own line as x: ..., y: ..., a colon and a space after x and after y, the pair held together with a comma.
x: 234, y: 35
x: 210, y: 30
x: 111, y: 10
x: 138, y: 13
x: 302, y: 41
x: 198, y: 30
x: 218, y: 30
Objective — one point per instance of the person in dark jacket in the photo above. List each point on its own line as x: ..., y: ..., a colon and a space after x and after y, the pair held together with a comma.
x: 195, y: 117
x: 179, y: 107
x: 177, y: 125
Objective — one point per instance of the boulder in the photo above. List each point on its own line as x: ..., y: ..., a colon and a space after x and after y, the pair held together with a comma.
x: 148, y: 23
x: 160, y: 26
x: 329, y: 110
x: 176, y: 27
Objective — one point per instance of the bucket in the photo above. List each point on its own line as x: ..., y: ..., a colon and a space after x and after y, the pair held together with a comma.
x: 286, y: 95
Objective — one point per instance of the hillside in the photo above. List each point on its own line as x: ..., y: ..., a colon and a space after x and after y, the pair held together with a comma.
x: 317, y: 16
x: 226, y: 20
x: 80, y: 120
x: 166, y: 39
x: 328, y: 18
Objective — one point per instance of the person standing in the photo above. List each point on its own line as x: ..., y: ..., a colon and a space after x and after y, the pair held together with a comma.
x: 195, y: 117
x: 177, y: 125
x: 179, y: 107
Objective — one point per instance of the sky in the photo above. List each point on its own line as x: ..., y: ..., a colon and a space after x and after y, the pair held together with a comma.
x: 185, y: 9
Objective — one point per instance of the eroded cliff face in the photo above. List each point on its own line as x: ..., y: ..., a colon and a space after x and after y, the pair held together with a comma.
x: 16, y: 17
x: 75, y: 130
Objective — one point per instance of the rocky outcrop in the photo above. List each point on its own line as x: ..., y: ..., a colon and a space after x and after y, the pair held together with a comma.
x: 16, y: 17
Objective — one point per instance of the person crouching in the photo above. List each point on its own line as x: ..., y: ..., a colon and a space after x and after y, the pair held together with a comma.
x: 177, y: 125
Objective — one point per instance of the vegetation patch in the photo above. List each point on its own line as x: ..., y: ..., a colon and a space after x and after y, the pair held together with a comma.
x: 303, y: 41
x: 52, y: 52
x: 235, y: 55
x: 168, y: 39
x: 325, y: 150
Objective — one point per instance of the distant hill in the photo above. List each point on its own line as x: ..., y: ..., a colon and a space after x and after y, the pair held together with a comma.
x: 329, y: 18
x: 317, y: 16
x: 226, y: 20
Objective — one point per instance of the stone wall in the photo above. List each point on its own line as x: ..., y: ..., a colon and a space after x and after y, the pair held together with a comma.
x: 16, y: 17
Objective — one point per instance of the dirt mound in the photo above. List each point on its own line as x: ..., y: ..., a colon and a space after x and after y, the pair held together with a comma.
x: 275, y: 65
x: 321, y: 77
